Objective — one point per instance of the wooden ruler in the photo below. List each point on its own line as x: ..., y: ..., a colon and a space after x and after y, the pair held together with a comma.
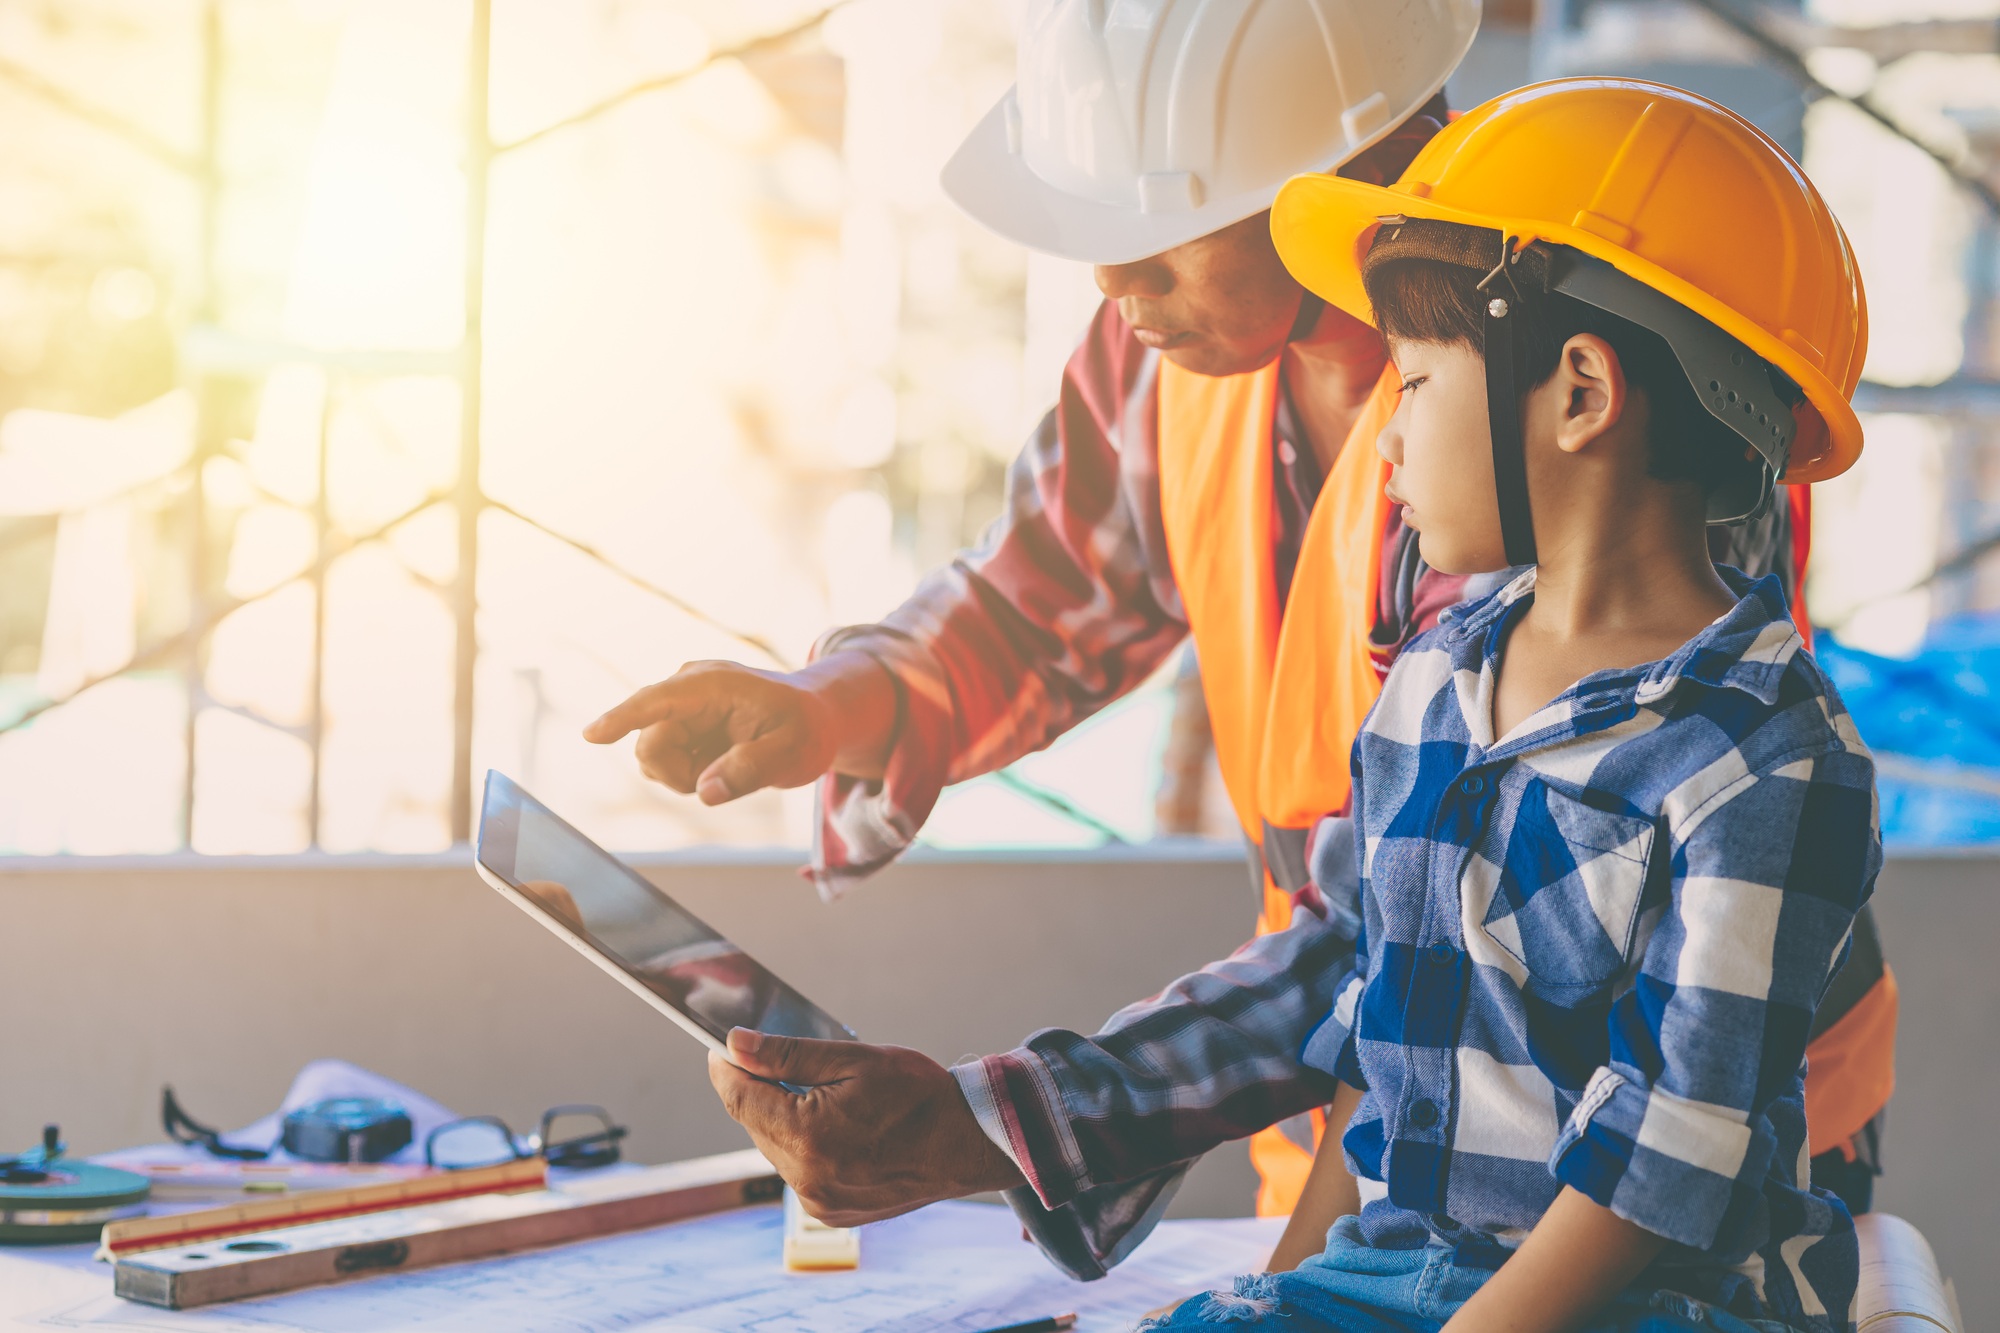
x: 140, y: 1234
x: 284, y: 1258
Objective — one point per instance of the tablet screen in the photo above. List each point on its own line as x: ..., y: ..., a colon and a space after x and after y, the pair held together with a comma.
x: 624, y: 918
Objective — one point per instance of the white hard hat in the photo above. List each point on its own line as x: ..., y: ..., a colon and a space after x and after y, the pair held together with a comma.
x: 1134, y: 126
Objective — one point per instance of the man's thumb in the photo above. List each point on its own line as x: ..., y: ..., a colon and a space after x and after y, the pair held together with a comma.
x: 801, y: 1060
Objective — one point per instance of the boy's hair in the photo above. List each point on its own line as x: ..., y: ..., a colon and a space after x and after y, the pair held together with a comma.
x: 1428, y: 300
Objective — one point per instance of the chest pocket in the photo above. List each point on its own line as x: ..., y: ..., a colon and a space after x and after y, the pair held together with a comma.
x: 1572, y: 883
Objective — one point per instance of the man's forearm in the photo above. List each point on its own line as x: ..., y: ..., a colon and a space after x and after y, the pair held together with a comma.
x: 1578, y: 1257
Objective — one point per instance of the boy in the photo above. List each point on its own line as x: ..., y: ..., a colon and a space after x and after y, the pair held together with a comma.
x: 1613, y: 824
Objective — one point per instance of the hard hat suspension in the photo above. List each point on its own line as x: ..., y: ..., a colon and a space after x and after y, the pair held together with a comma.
x: 1737, y: 387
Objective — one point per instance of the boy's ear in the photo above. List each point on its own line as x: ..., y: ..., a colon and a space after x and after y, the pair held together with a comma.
x: 1591, y: 389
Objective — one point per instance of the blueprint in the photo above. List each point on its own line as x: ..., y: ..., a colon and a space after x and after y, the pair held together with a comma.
x: 950, y: 1268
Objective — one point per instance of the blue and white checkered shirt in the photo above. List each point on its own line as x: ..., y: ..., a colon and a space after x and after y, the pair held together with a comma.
x: 1592, y: 949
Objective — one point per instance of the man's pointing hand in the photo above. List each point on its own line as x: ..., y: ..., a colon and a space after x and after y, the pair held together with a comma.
x: 720, y: 730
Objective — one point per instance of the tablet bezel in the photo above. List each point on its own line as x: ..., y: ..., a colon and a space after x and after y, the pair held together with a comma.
x: 492, y: 834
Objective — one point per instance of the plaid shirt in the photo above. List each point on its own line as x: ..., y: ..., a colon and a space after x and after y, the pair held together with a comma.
x: 1716, y: 809
x: 1593, y: 949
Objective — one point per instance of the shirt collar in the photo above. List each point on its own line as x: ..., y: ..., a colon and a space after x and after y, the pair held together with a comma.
x: 1747, y: 648
x: 1470, y: 620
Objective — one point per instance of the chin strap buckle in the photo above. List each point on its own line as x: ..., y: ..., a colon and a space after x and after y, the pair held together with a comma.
x: 1509, y: 256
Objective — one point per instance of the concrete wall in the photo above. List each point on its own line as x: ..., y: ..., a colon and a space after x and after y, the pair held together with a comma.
x: 224, y: 976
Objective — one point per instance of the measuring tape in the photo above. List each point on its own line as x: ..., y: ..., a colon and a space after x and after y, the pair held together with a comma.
x: 46, y: 1199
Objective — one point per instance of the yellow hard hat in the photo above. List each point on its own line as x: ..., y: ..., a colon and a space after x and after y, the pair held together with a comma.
x: 1678, y: 194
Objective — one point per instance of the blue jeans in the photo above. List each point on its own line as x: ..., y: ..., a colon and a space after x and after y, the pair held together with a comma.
x: 1354, y: 1288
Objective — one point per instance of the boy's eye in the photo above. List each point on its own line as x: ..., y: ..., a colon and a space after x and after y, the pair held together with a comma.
x: 1410, y: 385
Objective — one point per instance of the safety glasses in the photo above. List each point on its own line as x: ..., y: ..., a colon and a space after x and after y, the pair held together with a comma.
x: 570, y: 1136
x: 576, y: 1137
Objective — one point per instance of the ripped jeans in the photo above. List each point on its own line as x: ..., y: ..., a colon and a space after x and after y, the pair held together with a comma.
x: 1355, y: 1288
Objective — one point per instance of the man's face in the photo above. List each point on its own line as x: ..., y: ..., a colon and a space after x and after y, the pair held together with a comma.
x: 1220, y: 305
x: 1441, y: 447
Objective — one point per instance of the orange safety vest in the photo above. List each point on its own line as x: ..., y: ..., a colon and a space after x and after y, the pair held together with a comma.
x: 1288, y: 688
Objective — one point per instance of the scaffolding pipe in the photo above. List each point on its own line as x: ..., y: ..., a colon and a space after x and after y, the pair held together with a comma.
x: 467, y: 499
x: 322, y: 557
x: 208, y: 429
x: 135, y: 136
x: 755, y: 46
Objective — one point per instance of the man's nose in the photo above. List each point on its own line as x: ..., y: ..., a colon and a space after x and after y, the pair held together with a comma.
x: 1142, y: 277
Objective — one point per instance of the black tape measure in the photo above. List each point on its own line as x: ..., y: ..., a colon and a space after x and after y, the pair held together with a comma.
x: 347, y: 1129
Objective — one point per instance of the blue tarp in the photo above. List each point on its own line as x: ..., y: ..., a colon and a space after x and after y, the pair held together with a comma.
x: 1933, y: 721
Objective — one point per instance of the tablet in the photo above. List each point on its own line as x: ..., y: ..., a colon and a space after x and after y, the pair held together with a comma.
x: 649, y: 943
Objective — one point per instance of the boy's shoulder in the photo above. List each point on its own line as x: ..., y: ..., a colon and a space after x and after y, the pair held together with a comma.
x: 1798, y: 715
x: 1739, y: 705
x: 1751, y: 676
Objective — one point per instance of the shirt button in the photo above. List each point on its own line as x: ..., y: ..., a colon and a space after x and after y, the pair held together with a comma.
x: 1472, y: 785
x: 1442, y: 954
x: 1423, y: 1113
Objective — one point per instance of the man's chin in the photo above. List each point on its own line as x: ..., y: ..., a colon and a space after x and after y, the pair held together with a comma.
x: 1201, y: 357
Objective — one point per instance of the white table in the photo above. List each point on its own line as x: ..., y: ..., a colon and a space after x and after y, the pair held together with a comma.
x: 950, y: 1268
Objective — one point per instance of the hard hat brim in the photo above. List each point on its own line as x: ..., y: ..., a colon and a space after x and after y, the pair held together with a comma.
x: 1323, y: 224
x: 994, y: 184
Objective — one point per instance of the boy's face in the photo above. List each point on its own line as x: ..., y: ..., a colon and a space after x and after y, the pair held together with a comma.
x: 1441, y: 448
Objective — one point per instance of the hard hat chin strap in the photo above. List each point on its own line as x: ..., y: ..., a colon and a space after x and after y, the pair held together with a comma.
x: 1503, y: 409
x: 1307, y: 319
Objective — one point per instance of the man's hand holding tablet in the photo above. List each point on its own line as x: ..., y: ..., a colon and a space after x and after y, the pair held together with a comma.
x: 875, y: 1130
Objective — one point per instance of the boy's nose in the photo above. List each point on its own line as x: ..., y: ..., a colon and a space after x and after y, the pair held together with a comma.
x: 1389, y: 442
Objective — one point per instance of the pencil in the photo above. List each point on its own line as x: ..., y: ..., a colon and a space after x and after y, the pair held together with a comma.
x: 1055, y: 1323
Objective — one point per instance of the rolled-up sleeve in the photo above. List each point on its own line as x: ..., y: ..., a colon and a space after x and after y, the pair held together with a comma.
x: 1701, y: 1097
x: 1104, y: 1126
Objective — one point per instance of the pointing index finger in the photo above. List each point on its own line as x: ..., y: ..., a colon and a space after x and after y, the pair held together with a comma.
x: 644, y: 707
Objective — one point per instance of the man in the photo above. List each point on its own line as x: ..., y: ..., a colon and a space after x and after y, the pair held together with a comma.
x: 1192, y: 479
